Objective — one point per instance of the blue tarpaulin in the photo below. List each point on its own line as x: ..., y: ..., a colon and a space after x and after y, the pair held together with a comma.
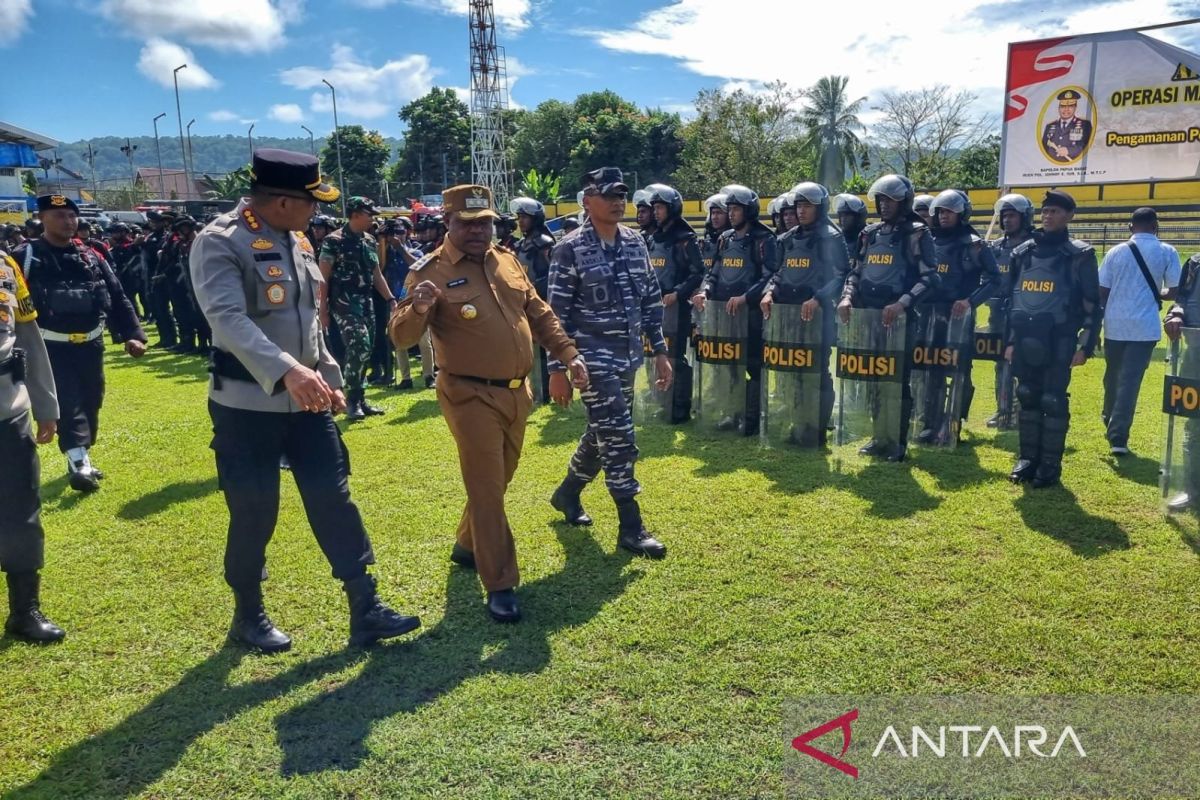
x: 17, y: 155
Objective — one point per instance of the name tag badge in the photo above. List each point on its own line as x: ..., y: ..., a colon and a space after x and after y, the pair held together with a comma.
x: 456, y: 283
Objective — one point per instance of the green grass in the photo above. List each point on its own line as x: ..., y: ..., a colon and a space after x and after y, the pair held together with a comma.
x: 790, y: 574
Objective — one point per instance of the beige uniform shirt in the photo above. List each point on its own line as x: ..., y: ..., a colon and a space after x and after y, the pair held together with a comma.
x: 19, y: 329
x: 259, y: 289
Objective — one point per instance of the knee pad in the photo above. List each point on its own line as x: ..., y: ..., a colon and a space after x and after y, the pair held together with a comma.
x: 1055, y: 404
x: 1028, y: 396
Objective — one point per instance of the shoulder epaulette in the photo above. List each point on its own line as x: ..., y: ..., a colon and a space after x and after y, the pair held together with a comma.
x: 251, y: 220
x: 421, y: 262
x: 1024, y: 247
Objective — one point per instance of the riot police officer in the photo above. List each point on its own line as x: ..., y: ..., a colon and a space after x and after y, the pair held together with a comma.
x: 787, y: 210
x: 716, y: 222
x: 506, y: 225
x: 745, y: 255
x: 893, y: 270
x: 155, y: 288
x: 922, y: 205
x: 967, y: 276
x: 533, y: 251
x: 76, y: 296
x: 26, y: 390
x: 675, y: 258
x: 1016, y: 226
x: 127, y: 263
x: 603, y: 290
x: 1185, y: 313
x: 174, y: 259
x: 810, y: 271
x: 851, y: 213
x: 1053, y: 325
x: 645, y: 214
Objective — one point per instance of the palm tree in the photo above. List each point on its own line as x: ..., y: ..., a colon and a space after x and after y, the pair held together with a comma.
x: 831, y: 124
x: 231, y: 186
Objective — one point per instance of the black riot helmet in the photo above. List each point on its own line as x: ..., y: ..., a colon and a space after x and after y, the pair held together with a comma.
x: 923, y: 202
x: 1020, y: 204
x: 736, y: 194
x: 895, y: 187
x: 641, y: 198
x: 529, y: 206
x: 661, y: 193
x: 954, y: 200
x: 813, y: 193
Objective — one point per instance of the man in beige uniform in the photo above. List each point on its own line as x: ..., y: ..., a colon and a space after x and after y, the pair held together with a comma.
x: 483, y: 313
x: 273, y: 393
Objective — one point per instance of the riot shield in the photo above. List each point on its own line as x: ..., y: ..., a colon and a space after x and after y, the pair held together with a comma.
x: 989, y: 346
x: 1181, y: 404
x: 651, y: 406
x: 941, y: 375
x: 795, y: 365
x: 538, y: 381
x: 722, y: 359
x: 870, y: 379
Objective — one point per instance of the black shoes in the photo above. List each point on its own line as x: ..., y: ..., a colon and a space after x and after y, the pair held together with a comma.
x: 926, y: 436
x: 405, y: 383
x: 503, y: 606
x: 871, y: 448
x: 430, y: 381
x: 462, y: 556
x: 83, y: 477
x: 884, y: 450
x: 370, y: 619
x: 1023, y: 470
x: 25, y: 618
x: 1047, y: 475
x: 633, y: 535
x: 252, y: 627
x: 355, y: 412
x: 566, y: 500
x: 370, y: 410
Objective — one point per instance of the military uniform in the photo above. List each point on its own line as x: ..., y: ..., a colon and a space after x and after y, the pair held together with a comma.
x: 76, y: 295
x: 1074, y: 134
x: 259, y: 288
x: 354, y: 261
x: 483, y: 329
x: 1054, y: 311
x: 26, y: 383
x: 608, y: 299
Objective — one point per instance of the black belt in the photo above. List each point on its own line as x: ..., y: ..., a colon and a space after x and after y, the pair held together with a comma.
x: 513, y: 383
x: 14, y: 365
x: 226, y: 365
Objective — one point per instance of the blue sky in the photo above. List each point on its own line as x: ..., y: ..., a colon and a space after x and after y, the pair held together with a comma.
x: 103, y: 67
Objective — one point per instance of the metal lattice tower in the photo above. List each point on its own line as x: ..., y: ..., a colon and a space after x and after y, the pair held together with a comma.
x: 489, y: 99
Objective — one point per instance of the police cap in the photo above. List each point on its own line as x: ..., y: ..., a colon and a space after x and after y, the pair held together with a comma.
x: 289, y: 171
x: 1059, y: 199
x: 1069, y: 98
x: 606, y: 180
x: 52, y: 202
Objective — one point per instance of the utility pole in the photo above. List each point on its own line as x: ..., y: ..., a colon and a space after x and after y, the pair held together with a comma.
x: 91, y: 159
x: 312, y: 148
x: 337, y: 145
x: 129, y: 150
x: 158, y: 152
x: 250, y: 139
x: 187, y: 189
x: 191, y: 162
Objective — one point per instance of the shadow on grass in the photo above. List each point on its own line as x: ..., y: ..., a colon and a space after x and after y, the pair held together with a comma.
x: 182, y: 368
x: 1138, y: 469
x: 424, y: 408
x: 163, y: 498
x: 1187, y: 525
x: 330, y: 731
x: 131, y: 756
x: 1055, y: 512
x: 57, y: 493
x: 953, y: 469
x: 563, y: 425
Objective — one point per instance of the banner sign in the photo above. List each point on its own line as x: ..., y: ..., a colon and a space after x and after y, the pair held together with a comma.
x: 1104, y: 108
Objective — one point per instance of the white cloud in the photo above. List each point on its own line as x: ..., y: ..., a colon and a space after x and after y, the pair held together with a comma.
x: 511, y: 15
x: 159, y: 58
x: 363, y: 90
x: 222, y: 115
x: 240, y: 25
x: 879, y: 49
x: 14, y: 18
x: 286, y: 112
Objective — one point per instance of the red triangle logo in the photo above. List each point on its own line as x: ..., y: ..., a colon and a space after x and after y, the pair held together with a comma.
x: 801, y: 743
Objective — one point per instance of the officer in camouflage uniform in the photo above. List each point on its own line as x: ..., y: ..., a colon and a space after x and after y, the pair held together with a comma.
x: 1054, y: 317
x: 350, y: 263
x: 26, y: 385
x: 607, y: 296
x: 1016, y: 223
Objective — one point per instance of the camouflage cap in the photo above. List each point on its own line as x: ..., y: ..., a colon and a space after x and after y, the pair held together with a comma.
x: 359, y: 203
x: 606, y: 180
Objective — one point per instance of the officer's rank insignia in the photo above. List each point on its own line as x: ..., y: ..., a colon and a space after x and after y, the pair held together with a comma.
x: 469, y: 311
x: 5, y: 297
x: 262, y: 244
x: 274, y: 271
x: 251, y: 221
x: 304, y: 243
x: 276, y: 294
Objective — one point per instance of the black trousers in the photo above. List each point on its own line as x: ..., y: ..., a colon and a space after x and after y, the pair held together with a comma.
x: 185, y: 318
x: 160, y: 301
x: 248, y: 445
x: 79, y: 377
x: 21, y: 537
x: 382, y: 363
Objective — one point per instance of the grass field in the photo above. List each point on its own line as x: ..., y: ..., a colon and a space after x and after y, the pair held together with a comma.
x: 789, y: 574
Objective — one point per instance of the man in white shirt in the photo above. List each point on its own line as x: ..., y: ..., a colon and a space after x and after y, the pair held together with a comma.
x: 1132, y: 317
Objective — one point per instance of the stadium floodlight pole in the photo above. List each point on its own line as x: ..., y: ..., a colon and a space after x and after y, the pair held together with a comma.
x: 158, y: 152
x: 191, y: 155
x: 187, y: 178
x: 337, y: 145
x: 250, y: 139
x: 312, y: 148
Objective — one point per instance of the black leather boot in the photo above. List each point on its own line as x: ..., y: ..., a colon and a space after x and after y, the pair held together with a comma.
x: 566, y: 500
x: 462, y: 556
x: 354, y: 409
x: 633, y: 535
x: 503, y: 606
x: 1029, y: 424
x: 1054, y: 443
x: 370, y: 410
x: 251, y: 626
x: 25, y: 618
x: 370, y: 619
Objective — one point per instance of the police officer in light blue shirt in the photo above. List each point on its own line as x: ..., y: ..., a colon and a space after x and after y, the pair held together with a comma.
x: 1135, y: 277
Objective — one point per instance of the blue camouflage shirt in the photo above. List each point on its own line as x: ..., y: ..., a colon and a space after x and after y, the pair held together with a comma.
x: 607, y: 298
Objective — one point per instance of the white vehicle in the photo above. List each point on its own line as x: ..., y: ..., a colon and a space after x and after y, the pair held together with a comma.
x: 128, y: 217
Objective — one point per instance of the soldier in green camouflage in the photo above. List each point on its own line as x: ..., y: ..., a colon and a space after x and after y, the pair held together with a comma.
x: 350, y: 265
